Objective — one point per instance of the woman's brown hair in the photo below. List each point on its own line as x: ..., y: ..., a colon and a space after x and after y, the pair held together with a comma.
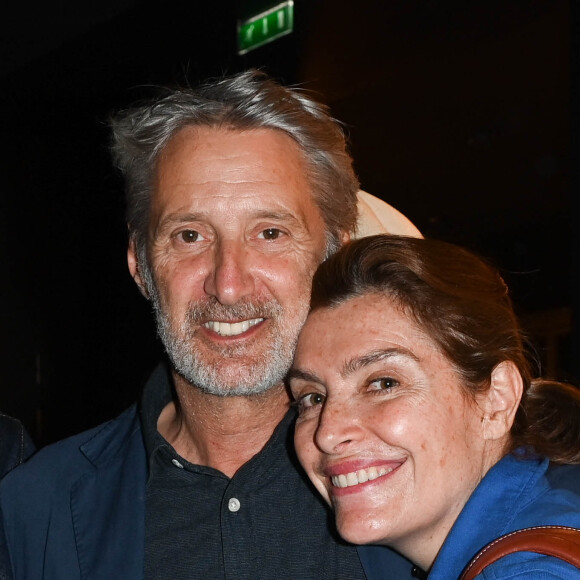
x: 463, y: 304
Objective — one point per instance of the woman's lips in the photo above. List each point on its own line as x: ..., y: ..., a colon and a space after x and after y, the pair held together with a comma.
x: 348, y: 478
x: 361, y: 476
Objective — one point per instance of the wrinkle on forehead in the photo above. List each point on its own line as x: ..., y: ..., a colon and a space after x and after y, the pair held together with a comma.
x: 227, y: 152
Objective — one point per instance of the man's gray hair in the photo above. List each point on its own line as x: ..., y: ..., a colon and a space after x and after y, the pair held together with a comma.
x: 246, y: 101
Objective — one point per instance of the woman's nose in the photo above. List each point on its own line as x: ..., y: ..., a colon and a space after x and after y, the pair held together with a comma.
x: 339, y: 427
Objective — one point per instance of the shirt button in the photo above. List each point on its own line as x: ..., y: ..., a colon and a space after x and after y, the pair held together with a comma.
x: 176, y: 463
x: 234, y: 504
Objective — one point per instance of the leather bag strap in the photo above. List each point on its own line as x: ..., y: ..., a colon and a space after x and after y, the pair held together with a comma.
x: 557, y: 541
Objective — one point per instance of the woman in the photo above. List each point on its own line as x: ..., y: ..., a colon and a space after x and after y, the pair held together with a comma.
x: 419, y: 421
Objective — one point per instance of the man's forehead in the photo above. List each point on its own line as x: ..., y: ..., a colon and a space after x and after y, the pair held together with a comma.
x: 219, y: 153
x: 234, y: 174
x: 219, y: 137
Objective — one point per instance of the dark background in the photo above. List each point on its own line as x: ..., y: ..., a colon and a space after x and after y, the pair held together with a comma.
x: 463, y: 115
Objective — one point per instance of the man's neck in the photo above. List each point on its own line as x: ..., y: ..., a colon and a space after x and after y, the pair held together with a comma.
x: 221, y: 432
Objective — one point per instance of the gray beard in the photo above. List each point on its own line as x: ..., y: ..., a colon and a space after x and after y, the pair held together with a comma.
x: 265, y: 372
x: 229, y: 380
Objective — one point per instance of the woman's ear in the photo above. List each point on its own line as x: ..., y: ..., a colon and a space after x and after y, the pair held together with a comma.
x: 133, y: 264
x: 501, y: 401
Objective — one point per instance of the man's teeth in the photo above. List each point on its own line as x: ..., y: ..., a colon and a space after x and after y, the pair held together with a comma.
x: 360, y: 476
x: 232, y: 329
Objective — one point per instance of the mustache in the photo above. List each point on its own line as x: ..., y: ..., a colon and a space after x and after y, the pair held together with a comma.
x: 211, y: 309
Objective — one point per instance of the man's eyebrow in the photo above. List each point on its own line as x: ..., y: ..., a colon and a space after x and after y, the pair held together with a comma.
x: 186, y: 217
x: 359, y: 362
x: 285, y: 218
x: 178, y: 218
x: 275, y: 215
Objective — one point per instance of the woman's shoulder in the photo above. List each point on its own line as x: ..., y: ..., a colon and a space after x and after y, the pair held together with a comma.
x: 517, y: 493
x: 558, y: 503
x: 522, y: 491
x: 564, y: 478
x: 558, y: 500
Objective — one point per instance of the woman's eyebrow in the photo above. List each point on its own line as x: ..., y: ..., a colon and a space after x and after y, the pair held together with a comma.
x: 356, y: 363
x: 295, y: 373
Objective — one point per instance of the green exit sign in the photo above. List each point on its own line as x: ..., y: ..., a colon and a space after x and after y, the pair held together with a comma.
x: 265, y: 27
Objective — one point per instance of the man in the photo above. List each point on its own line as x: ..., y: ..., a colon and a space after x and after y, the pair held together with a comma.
x: 236, y: 192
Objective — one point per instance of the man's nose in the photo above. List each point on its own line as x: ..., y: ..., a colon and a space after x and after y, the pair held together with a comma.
x: 229, y: 277
x: 339, y: 427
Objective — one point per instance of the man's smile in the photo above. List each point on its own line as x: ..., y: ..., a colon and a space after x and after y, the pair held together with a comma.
x: 231, y: 328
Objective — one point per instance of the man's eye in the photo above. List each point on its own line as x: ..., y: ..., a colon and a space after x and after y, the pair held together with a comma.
x: 270, y: 234
x: 190, y: 236
x: 384, y: 384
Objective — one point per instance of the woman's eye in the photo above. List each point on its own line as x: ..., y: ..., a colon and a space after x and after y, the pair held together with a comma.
x: 270, y: 234
x: 310, y: 400
x: 384, y: 384
x: 190, y: 236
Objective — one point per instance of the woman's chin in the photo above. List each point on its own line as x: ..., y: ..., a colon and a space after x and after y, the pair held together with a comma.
x: 361, y: 533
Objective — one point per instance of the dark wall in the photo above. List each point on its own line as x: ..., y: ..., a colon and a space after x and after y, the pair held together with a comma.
x: 459, y: 114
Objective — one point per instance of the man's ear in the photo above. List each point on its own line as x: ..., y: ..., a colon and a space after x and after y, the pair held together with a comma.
x: 344, y: 238
x: 133, y: 262
x: 500, y: 403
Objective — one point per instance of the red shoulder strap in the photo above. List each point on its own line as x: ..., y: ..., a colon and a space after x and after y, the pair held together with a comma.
x: 558, y: 541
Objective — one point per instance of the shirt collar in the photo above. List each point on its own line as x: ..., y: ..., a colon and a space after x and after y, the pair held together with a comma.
x: 159, y: 391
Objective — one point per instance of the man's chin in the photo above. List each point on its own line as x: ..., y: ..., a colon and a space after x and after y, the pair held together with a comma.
x: 225, y: 389
x: 232, y: 380
x: 237, y: 391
